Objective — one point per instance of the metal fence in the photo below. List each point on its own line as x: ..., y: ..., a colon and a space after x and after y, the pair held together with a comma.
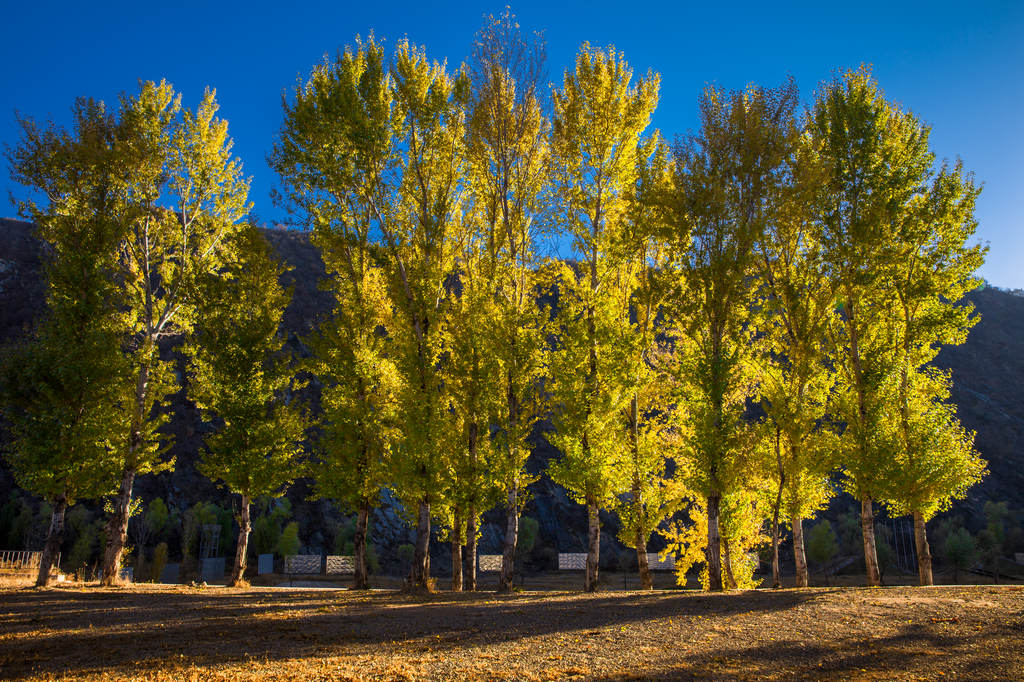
x: 655, y: 563
x: 489, y: 563
x: 22, y: 562
x: 302, y: 564
x: 337, y: 565
x: 573, y: 561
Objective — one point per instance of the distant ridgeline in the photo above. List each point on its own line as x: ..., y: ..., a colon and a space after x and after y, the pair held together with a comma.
x: 988, y: 376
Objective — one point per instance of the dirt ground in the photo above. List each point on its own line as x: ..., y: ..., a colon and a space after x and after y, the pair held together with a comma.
x: 174, y: 632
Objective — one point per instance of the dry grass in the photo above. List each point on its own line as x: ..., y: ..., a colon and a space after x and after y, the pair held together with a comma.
x: 172, y: 632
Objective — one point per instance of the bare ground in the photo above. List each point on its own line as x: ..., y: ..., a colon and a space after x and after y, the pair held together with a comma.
x: 173, y: 632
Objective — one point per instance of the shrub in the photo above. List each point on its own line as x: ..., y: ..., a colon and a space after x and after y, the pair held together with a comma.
x: 288, y: 543
x: 959, y: 551
x: 159, y: 561
x: 821, y: 546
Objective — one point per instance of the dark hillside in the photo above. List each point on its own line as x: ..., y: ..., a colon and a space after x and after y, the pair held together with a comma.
x: 988, y: 388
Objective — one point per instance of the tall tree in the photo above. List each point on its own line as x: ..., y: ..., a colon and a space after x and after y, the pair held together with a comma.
x: 182, y: 195
x: 419, y: 255
x: 875, y: 161
x: 725, y: 181
x: 597, y: 122
x: 473, y: 381
x: 62, y: 389
x: 794, y: 370
x: 643, y: 287
x: 932, y: 271
x: 506, y: 153
x: 337, y: 156
x: 241, y: 379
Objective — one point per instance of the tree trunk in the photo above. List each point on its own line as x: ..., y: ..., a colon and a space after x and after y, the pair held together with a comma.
x: 593, y: 548
x: 776, y: 576
x: 360, y: 577
x: 867, y: 530
x: 641, y: 562
x: 508, y: 557
x: 54, y: 538
x: 730, y: 580
x: 457, y: 550
x: 242, y: 551
x: 924, y: 554
x: 469, y: 560
x: 639, y: 542
x: 713, y: 551
x: 799, y: 557
x: 117, y: 530
x: 421, y: 558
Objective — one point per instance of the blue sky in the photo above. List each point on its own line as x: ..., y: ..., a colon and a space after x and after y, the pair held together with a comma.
x: 957, y: 65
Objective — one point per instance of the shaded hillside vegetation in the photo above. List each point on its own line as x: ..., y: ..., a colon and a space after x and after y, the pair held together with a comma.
x: 988, y: 372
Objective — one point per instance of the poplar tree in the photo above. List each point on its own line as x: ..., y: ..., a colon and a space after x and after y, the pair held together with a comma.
x: 182, y: 195
x: 644, y: 286
x: 241, y: 380
x: 725, y: 181
x: 419, y: 253
x: 337, y: 157
x: 794, y: 370
x: 597, y: 122
x: 61, y: 388
x: 936, y: 460
x: 473, y: 381
x: 932, y: 270
x: 875, y: 161
x: 506, y: 153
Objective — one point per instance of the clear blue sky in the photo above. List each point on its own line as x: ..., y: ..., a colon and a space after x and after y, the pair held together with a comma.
x: 958, y: 65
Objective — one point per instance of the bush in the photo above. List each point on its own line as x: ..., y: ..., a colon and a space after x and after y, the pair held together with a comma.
x: 406, y: 553
x: 959, y: 551
x: 159, y: 561
x: 821, y: 546
x: 288, y: 543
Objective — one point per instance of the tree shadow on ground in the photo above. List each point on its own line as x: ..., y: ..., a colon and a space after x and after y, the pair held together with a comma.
x: 891, y: 657
x: 65, y: 631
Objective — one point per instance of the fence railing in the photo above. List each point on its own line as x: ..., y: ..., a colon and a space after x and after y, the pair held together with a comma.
x: 22, y: 561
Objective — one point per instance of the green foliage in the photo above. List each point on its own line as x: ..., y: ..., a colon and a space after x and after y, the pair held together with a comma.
x: 288, y: 543
x: 159, y: 561
x: 495, y: 328
x: 83, y: 532
x: 335, y: 156
x: 344, y: 543
x: 267, y: 528
x: 405, y: 553
x: 713, y: 226
x: 937, y: 462
x: 419, y: 254
x: 598, y: 118
x: 992, y: 538
x: 158, y: 517
x: 794, y: 371
x: 61, y: 389
x: 959, y: 551
x: 239, y: 376
x: 821, y: 544
x: 528, y: 530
